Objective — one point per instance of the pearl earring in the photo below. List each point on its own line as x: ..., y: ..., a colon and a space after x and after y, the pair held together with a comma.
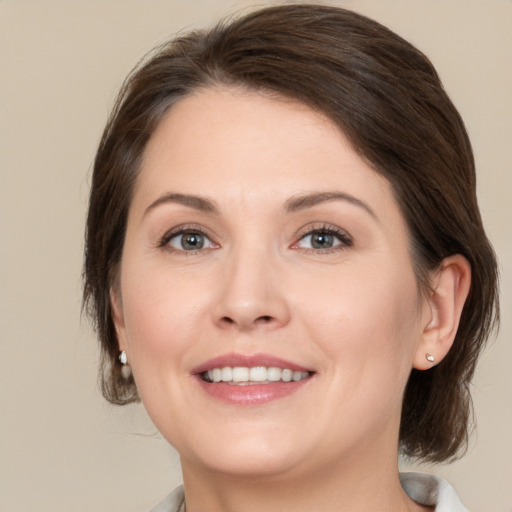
x: 123, y: 358
x: 430, y: 358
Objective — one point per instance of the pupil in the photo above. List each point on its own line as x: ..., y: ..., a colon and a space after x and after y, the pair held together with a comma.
x: 192, y: 241
x: 321, y: 240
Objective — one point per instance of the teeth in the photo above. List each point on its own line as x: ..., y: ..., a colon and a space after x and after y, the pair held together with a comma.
x: 240, y: 374
x: 287, y: 375
x: 274, y: 374
x: 297, y: 376
x: 256, y: 374
x: 227, y: 374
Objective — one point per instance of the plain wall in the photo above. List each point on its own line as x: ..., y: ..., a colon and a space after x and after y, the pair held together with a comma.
x: 61, y: 446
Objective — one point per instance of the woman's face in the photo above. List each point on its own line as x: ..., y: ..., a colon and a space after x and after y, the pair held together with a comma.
x: 257, y: 238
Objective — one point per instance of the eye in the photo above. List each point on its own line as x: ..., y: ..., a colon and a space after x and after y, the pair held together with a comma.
x: 187, y: 240
x: 324, y: 239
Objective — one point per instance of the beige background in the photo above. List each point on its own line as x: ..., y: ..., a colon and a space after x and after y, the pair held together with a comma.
x: 61, y: 447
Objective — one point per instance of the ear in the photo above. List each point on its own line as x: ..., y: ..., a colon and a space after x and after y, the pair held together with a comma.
x: 116, y: 305
x: 450, y: 288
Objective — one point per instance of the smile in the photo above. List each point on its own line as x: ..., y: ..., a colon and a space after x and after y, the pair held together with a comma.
x: 246, y: 376
x: 251, y: 379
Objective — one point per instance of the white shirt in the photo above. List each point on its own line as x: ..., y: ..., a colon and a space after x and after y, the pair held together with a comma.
x: 422, y: 488
x: 431, y: 490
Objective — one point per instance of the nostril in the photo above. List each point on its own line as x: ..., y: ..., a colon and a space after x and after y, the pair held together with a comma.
x: 264, y: 319
x: 243, y: 322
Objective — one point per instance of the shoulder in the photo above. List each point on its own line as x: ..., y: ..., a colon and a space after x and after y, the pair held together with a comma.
x: 431, y: 490
x: 174, y: 502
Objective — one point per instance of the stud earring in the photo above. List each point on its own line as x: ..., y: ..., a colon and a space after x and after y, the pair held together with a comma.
x: 123, y: 358
x: 126, y: 371
x: 430, y: 358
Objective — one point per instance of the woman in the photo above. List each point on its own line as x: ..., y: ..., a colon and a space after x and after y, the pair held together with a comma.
x: 286, y: 263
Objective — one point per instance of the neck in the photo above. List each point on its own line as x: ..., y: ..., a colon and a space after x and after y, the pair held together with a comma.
x: 350, y: 485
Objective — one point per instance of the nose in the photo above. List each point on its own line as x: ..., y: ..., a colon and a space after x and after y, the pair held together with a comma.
x: 252, y: 295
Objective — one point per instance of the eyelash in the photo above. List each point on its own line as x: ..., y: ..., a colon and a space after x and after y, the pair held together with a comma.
x: 342, y: 236
x: 182, y: 230
x: 344, y: 239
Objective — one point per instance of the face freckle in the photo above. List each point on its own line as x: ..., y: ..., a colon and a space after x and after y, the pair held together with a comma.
x: 280, y: 243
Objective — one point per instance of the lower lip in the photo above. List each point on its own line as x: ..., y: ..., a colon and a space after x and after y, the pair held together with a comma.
x: 253, y: 394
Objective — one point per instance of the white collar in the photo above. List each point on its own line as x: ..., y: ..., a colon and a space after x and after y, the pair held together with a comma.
x: 431, y: 490
x: 428, y: 490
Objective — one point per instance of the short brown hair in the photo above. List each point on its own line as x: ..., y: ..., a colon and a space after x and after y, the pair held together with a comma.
x: 387, y: 98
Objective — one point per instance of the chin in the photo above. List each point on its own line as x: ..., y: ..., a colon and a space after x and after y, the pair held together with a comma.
x: 246, y: 456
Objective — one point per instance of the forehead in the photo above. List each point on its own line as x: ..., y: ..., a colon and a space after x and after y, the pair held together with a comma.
x: 240, y: 145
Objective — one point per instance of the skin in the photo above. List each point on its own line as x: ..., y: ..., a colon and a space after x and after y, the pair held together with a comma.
x: 351, y: 313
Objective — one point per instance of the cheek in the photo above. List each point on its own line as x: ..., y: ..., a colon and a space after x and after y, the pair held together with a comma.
x: 163, y: 319
x: 365, y: 317
x: 162, y: 312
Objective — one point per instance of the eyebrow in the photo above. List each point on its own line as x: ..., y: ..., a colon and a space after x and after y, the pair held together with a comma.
x: 195, y: 202
x: 293, y: 204
x: 309, y: 200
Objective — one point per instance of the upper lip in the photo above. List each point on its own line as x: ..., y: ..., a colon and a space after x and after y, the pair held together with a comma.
x: 247, y: 360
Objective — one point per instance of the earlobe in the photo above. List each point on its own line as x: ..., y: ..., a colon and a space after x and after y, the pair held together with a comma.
x: 117, y: 316
x: 450, y: 288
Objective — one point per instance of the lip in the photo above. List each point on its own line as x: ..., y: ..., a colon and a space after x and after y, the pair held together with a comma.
x: 254, y: 394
